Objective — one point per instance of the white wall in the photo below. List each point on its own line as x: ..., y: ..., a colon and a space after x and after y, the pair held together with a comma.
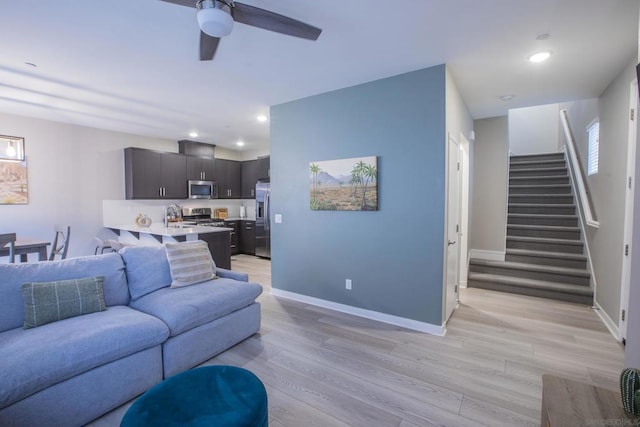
x: 632, y: 350
x: 489, y: 198
x: 71, y: 170
x: 534, y: 130
x: 607, y: 189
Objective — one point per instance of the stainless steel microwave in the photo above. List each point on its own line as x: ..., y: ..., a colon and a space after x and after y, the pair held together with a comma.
x: 203, y: 189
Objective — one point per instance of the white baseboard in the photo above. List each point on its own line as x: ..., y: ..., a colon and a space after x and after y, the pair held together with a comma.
x: 610, y: 324
x: 415, y: 325
x: 487, y: 255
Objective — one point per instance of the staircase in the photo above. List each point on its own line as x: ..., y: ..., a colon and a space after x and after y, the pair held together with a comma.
x: 544, y: 251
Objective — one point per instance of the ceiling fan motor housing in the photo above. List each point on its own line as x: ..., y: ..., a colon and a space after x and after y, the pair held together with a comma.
x: 214, y: 17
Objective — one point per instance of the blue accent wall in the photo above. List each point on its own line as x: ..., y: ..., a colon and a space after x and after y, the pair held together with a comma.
x: 394, y: 256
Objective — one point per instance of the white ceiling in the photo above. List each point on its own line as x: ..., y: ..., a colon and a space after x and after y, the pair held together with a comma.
x: 132, y: 65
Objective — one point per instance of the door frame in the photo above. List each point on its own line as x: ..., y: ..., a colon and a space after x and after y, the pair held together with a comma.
x: 463, y: 236
x: 449, y: 305
x: 628, y: 212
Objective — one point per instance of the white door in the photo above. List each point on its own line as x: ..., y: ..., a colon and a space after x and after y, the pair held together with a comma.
x: 452, y: 261
x: 628, y: 212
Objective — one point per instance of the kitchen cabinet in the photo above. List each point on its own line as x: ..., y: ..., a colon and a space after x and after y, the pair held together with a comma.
x: 228, y: 177
x: 234, y: 241
x: 151, y: 174
x: 200, y: 168
x: 219, y: 247
x: 264, y: 167
x: 248, y: 237
x: 249, y: 172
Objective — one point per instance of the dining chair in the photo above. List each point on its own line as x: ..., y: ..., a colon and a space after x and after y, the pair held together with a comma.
x: 60, y: 242
x: 10, y: 240
x: 102, y: 246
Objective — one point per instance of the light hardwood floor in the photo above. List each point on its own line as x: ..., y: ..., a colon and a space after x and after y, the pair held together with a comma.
x: 324, y: 368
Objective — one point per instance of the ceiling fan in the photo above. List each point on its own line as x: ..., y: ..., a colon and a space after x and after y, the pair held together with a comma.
x: 216, y: 17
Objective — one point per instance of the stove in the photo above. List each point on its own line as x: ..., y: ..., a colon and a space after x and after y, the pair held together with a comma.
x: 201, y: 216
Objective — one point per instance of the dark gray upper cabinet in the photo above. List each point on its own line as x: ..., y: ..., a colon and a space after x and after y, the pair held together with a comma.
x: 151, y: 174
x: 264, y: 167
x: 200, y: 168
x: 227, y: 173
x: 249, y: 172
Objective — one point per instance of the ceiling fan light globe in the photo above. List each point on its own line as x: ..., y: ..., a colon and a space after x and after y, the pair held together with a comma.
x: 215, y: 22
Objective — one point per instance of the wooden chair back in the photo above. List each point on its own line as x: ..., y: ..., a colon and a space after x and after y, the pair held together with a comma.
x: 60, y: 242
x: 10, y: 240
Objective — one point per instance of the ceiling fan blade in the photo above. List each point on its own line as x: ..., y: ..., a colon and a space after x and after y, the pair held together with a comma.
x: 271, y: 21
x: 208, y: 46
x: 188, y: 3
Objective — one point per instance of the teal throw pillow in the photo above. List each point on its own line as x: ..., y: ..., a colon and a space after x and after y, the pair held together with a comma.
x: 46, y: 302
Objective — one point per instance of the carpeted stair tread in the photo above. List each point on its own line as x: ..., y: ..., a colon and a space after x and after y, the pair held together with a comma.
x: 541, y: 216
x: 541, y: 186
x: 543, y: 205
x: 530, y: 267
x: 545, y: 254
x: 543, y: 227
x: 539, y: 196
x: 537, y: 177
x: 541, y: 156
x: 536, y: 171
x: 532, y: 283
x: 537, y: 163
x: 545, y: 240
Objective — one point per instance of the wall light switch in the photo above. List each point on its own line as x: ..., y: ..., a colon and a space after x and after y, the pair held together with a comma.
x: 278, y: 218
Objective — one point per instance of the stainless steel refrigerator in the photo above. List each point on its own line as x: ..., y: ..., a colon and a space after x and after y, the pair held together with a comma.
x: 263, y: 218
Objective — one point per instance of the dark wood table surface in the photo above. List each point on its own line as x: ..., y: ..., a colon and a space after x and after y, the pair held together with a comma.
x: 25, y: 246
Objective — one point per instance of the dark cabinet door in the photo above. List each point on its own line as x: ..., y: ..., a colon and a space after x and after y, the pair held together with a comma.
x: 234, y: 178
x: 219, y: 247
x: 174, y: 176
x: 142, y: 173
x: 200, y: 169
x: 153, y: 174
x: 221, y: 178
x: 234, y: 241
x: 249, y: 172
x: 248, y: 237
x: 264, y: 167
x: 227, y: 173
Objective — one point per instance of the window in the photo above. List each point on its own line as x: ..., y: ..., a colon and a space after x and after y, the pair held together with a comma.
x: 593, y: 147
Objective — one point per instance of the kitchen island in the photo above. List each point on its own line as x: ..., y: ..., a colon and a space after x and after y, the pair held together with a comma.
x: 217, y: 238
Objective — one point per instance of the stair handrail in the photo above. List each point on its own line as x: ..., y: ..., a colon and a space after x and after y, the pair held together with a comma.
x: 577, y: 173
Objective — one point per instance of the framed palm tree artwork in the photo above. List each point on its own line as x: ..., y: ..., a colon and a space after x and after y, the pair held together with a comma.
x: 344, y: 184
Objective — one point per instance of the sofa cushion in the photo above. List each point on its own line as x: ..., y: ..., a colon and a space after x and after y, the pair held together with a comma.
x: 190, y: 263
x: 12, y: 276
x: 46, y: 302
x: 191, y: 306
x: 34, y: 359
x: 147, y: 269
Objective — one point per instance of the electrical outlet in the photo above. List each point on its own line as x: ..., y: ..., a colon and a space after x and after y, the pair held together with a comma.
x: 348, y: 284
x: 278, y: 218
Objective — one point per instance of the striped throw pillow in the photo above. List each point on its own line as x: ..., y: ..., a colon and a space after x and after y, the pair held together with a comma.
x: 190, y: 263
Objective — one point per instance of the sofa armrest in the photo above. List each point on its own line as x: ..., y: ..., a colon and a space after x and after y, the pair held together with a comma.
x: 235, y: 275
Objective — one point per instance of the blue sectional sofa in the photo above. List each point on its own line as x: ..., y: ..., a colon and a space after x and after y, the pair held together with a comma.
x: 71, y: 371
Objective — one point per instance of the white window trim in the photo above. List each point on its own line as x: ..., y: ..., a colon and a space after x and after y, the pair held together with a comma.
x: 593, y: 162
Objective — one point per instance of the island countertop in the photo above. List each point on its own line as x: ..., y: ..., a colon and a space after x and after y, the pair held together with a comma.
x: 173, y: 231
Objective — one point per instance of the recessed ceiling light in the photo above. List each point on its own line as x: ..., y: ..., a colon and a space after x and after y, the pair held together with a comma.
x: 240, y: 143
x: 540, y: 56
x: 193, y: 134
x: 261, y: 118
x: 507, y: 97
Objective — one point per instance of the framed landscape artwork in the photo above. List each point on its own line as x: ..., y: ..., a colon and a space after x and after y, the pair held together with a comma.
x: 13, y: 183
x: 344, y: 185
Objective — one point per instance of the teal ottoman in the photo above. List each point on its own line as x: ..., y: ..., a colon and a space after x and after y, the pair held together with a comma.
x: 207, y: 396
